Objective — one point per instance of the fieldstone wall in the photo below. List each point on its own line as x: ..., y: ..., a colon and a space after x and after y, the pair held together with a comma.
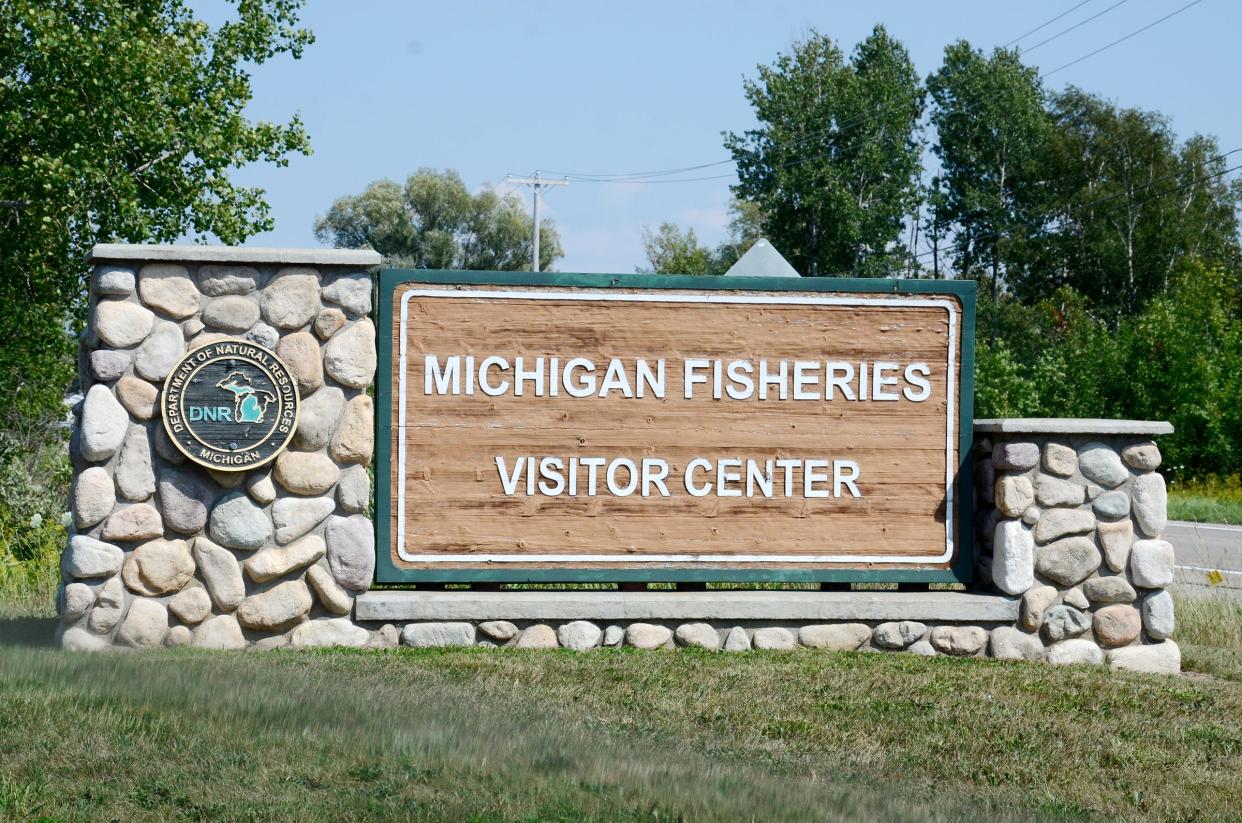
x: 163, y: 552
x: 583, y: 635
x: 1072, y: 524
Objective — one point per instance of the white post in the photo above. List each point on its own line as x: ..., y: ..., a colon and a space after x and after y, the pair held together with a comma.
x: 538, y: 184
x: 534, y: 265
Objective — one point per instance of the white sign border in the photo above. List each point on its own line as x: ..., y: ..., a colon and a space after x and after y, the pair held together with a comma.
x: 949, y: 306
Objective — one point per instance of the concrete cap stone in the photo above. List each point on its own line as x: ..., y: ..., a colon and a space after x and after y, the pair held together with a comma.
x: 253, y: 255
x: 1071, y: 425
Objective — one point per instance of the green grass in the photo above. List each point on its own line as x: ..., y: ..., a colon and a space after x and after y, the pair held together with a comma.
x: 1199, y: 508
x: 1207, y: 501
x: 28, y: 584
x: 1209, y: 630
x: 610, y: 735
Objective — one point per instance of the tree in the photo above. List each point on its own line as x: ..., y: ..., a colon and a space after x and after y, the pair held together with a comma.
x: 434, y: 222
x: 991, y: 125
x: 834, y: 164
x: 120, y: 120
x: 745, y: 227
x: 669, y: 251
x: 935, y: 224
x: 1128, y: 205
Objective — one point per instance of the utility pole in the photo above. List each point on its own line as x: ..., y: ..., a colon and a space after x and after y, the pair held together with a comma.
x: 537, y: 183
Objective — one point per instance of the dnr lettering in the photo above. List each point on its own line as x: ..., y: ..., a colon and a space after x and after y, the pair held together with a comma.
x: 230, y: 405
x: 213, y: 413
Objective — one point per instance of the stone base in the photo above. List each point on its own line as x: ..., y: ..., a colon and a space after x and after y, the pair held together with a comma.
x: 924, y: 623
x: 772, y: 606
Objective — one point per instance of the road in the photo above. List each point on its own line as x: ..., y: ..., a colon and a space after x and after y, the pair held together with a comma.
x: 1208, y: 555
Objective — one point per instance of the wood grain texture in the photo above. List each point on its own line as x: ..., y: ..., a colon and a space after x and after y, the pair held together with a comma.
x: 454, y: 503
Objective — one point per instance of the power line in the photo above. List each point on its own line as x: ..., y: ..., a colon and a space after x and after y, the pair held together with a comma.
x: 728, y: 176
x: 1120, y: 40
x: 1046, y: 23
x: 1079, y: 24
x: 645, y: 177
x: 590, y: 178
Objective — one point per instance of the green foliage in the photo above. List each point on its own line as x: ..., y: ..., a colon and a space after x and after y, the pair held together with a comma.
x: 434, y: 222
x: 119, y: 121
x: 1179, y: 360
x: 1002, y: 389
x: 834, y: 164
x: 1123, y: 206
x: 990, y: 125
x: 1036, y: 190
x: 745, y: 227
x: 1039, y: 191
x: 34, y: 480
x: 1186, y: 364
x: 669, y: 251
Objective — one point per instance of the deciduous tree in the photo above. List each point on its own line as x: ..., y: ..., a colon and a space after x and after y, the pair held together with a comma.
x: 990, y: 121
x: 670, y: 251
x: 835, y: 160
x: 1127, y: 205
x: 434, y: 222
x: 120, y: 120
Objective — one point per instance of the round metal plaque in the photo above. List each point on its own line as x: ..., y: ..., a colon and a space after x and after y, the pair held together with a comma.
x: 230, y: 405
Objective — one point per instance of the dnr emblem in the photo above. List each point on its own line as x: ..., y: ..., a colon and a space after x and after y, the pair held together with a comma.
x: 230, y: 405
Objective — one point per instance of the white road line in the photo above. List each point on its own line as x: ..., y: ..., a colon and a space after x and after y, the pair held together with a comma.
x: 1206, y: 569
x: 1208, y: 526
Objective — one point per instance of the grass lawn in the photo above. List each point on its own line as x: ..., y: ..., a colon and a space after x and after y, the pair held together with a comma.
x: 614, y: 734
x: 1202, y: 508
x: 1214, y: 501
x: 1209, y: 630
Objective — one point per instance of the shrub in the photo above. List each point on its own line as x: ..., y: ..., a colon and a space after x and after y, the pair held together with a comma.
x: 1179, y: 360
x: 34, y: 483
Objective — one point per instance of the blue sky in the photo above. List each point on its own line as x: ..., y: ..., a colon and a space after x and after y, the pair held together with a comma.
x: 489, y: 88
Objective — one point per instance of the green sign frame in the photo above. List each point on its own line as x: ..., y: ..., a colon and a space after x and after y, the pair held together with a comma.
x: 388, y: 572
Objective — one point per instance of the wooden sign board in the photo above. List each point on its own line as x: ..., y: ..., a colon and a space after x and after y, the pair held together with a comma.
x: 588, y: 427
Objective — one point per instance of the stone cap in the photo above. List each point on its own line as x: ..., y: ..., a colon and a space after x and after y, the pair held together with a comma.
x: 236, y: 255
x: 1071, y: 425
x: 723, y: 606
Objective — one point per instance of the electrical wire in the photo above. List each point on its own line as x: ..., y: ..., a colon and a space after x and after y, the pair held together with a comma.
x: 1120, y: 40
x: 1046, y: 24
x: 1079, y: 24
x: 645, y: 177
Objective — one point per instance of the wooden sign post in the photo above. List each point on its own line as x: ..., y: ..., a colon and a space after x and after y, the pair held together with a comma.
x: 590, y: 427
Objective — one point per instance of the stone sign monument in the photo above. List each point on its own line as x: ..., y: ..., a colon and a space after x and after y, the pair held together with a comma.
x: 597, y: 428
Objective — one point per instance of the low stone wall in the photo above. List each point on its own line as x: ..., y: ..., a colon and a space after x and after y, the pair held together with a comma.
x: 165, y: 552
x: 1069, y: 517
x: 584, y: 635
x: 928, y: 623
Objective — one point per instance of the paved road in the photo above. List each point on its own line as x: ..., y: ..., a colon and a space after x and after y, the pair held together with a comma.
x: 1207, y: 554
